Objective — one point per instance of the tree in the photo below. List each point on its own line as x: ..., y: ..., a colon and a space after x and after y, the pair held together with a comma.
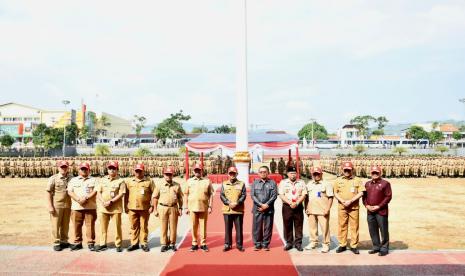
x: 457, y: 135
x: 435, y: 136
x: 139, y: 124
x: 171, y: 127
x: 7, y: 140
x: 224, y: 129
x: 47, y: 137
x: 200, y: 129
x: 72, y: 132
x: 100, y: 124
x: 434, y: 125
x: 360, y: 149
x: 362, y: 123
x: 143, y: 151
x: 84, y: 133
x: 417, y: 133
x: 378, y: 132
x: 381, y: 121
x: 441, y: 149
x: 319, y: 132
x: 462, y: 128
x: 399, y: 150
x: 102, y: 150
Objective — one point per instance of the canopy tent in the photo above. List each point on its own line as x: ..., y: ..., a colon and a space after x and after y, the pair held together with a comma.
x: 208, y: 142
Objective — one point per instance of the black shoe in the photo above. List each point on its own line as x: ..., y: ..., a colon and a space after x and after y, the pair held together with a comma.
x: 164, y: 248
x: 355, y: 251
x: 383, y: 253
x: 257, y: 248
x: 173, y: 247
x: 288, y: 247
x: 64, y: 245
x: 204, y: 248
x: 240, y: 248
x: 341, y: 249
x: 373, y: 252
x: 133, y: 247
x: 119, y: 249
x: 299, y: 248
x: 226, y: 248
x: 57, y: 247
x: 91, y: 247
x: 145, y: 248
x: 266, y: 248
x: 99, y: 248
x: 75, y: 247
x: 194, y: 248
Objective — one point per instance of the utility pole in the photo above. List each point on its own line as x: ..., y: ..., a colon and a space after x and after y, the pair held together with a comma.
x: 65, y: 102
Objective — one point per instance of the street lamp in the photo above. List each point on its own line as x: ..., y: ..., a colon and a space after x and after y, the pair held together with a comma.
x: 65, y: 102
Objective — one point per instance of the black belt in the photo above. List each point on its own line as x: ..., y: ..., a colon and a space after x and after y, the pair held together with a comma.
x: 165, y: 205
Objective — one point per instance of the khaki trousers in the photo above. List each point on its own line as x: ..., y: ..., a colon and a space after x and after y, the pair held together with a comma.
x: 139, y: 221
x: 60, y: 225
x: 169, y: 222
x: 323, y: 221
x: 104, y: 221
x: 199, y: 219
x: 88, y: 217
x: 348, y: 220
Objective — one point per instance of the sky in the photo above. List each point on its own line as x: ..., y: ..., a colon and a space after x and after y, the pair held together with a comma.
x: 328, y: 60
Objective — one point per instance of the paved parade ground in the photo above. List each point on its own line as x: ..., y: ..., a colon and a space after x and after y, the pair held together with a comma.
x: 426, y: 222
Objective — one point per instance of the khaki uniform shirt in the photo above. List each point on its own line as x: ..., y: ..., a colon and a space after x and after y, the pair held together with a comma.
x: 292, y: 191
x: 319, y: 194
x: 82, y: 187
x: 168, y: 194
x: 108, y: 189
x: 140, y: 193
x: 233, y: 192
x: 58, y: 185
x: 347, y: 188
x: 198, y: 192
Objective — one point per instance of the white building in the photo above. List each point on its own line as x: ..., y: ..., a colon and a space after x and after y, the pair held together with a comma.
x: 348, y: 134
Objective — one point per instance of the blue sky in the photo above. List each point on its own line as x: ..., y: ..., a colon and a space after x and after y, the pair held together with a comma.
x: 329, y: 60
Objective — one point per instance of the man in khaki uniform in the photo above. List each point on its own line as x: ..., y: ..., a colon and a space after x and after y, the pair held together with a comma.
x: 348, y: 190
x: 167, y: 205
x: 292, y: 192
x: 198, y: 197
x: 110, y: 192
x: 138, y: 197
x: 233, y: 194
x: 81, y: 189
x: 59, y: 206
x: 318, y: 205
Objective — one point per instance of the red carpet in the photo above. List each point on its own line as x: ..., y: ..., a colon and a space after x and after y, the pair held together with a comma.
x: 216, y: 262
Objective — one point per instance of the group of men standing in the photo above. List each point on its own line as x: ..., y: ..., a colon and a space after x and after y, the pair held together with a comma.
x: 83, y: 199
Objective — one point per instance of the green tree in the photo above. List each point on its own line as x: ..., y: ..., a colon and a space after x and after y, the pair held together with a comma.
x: 72, y: 132
x: 400, y: 150
x: 143, y: 151
x: 319, y: 132
x: 435, y: 136
x: 224, y: 129
x: 200, y: 129
x: 84, y: 133
x: 100, y: 124
x: 362, y: 123
x: 102, y: 150
x: 442, y: 149
x: 171, y: 127
x: 462, y: 128
x: 47, y: 137
x: 139, y: 124
x: 457, y: 135
x: 378, y: 132
x: 417, y: 133
x: 360, y: 149
x: 7, y: 140
x: 381, y: 121
x: 434, y: 125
